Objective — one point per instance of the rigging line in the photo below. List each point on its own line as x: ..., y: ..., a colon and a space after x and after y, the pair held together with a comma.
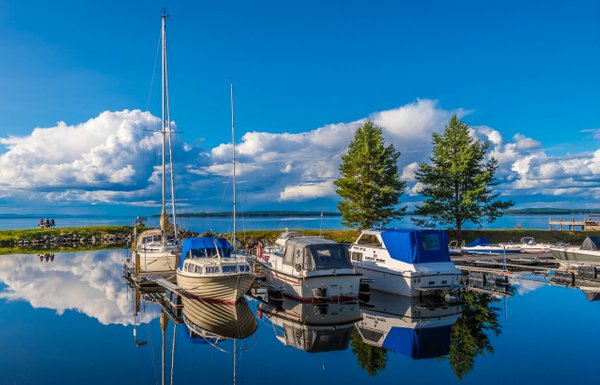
x: 153, y: 73
x: 170, y: 137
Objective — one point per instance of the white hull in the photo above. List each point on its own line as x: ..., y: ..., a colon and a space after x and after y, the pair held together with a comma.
x: 223, y: 288
x: 408, y: 285
x: 221, y: 320
x: 338, y: 287
x: 156, y: 262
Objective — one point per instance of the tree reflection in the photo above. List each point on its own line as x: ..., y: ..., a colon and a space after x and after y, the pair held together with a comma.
x: 371, y: 358
x: 470, y: 334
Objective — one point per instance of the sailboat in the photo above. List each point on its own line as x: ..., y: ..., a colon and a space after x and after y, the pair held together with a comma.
x: 155, y: 251
x: 210, y: 269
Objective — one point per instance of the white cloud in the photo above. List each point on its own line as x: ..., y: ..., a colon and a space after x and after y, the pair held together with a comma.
x: 307, y: 191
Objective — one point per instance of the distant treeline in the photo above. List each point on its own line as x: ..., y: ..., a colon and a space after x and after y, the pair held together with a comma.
x: 265, y: 214
x: 552, y: 211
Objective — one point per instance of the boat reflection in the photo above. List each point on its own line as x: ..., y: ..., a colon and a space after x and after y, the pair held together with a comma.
x: 417, y: 327
x: 312, y: 327
x: 213, y: 322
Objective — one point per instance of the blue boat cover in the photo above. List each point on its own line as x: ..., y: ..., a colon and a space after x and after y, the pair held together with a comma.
x: 480, y: 242
x: 419, y: 343
x: 417, y: 246
x: 205, y: 243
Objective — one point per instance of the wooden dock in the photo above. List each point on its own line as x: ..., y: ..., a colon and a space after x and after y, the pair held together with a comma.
x: 590, y: 223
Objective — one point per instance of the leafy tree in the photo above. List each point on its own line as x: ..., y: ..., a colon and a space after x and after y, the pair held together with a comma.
x: 458, y: 182
x: 369, y: 185
x: 371, y: 358
x: 470, y: 335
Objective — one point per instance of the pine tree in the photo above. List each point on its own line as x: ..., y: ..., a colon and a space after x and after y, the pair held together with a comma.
x: 458, y: 183
x: 369, y: 185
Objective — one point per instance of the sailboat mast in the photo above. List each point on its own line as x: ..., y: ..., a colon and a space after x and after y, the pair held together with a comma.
x: 233, y: 182
x: 163, y: 113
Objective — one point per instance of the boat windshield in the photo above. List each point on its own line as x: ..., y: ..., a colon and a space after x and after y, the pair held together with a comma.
x: 209, y: 253
x: 327, y: 256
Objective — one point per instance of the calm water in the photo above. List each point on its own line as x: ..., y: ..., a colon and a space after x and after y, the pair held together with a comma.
x: 225, y: 224
x: 71, y: 320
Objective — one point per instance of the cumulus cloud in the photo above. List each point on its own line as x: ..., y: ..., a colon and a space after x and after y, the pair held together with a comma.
x: 87, y: 282
x: 112, y: 159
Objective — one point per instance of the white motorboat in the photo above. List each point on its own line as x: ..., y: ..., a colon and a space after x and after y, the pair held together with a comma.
x: 210, y: 270
x: 530, y: 246
x: 309, y: 268
x: 312, y: 327
x: 406, y: 262
x: 413, y: 326
x: 156, y: 251
x: 455, y: 248
x: 485, y: 246
x: 588, y: 252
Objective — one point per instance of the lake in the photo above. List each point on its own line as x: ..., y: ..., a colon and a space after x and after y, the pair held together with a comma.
x: 222, y: 225
x: 71, y: 318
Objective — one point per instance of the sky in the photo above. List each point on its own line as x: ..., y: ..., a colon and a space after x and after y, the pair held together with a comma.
x: 79, y: 96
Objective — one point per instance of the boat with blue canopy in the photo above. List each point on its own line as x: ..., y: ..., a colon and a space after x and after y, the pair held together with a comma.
x: 416, y: 327
x: 210, y: 270
x: 483, y: 245
x: 406, y: 261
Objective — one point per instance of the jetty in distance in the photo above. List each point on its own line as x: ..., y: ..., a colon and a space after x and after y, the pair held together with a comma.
x: 592, y: 222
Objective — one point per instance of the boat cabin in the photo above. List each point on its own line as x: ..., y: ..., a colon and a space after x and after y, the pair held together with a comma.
x: 315, y: 253
x: 151, y: 240
x: 407, y: 246
x: 207, y: 248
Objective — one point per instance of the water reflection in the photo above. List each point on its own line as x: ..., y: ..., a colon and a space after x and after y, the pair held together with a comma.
x: 86, y: 282
x: 312, y: 327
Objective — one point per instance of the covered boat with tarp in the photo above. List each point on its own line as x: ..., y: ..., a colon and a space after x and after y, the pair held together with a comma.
x: 416, y: 327
x: 309, y: 268
x: 406, y: 262
x: 588, y: 252
x: 483, y: 245
x: 209, y: 270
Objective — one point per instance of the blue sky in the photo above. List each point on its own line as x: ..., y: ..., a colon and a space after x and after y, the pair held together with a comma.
x: 524, y: 76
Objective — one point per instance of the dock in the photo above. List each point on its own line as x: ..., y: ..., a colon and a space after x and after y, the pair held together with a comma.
x: 590, y: 223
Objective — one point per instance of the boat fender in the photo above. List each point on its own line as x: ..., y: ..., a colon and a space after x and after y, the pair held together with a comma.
x: 259, y: 249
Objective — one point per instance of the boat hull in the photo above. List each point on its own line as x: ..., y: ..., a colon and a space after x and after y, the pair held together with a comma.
x: 219, y: 319
x: 156, y: 262
x: 224, y: 288
x: 394, y: 282
x: 340, y: 287
x: 488, y: 251
x: 576, y: 255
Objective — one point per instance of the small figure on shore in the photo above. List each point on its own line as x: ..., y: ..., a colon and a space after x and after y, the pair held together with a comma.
x: 47, y: 223
x: 52, y: 223
x: 41, y: 224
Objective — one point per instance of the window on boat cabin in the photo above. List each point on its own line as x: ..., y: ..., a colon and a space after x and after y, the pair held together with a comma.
x: 288, y: 256
x: 369, y: 240
x: 430, y: 242
x: 357, y: 256
x: 327, y: 256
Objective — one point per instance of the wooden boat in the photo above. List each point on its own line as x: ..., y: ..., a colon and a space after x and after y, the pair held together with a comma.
x: 210, y: 271
x: 156, y: 251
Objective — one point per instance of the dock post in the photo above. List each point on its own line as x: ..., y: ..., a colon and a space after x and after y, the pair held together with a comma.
x: 550, y: 223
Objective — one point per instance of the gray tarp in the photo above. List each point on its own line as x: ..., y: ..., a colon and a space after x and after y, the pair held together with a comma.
x: 591, y: 243
x: 315, y: 253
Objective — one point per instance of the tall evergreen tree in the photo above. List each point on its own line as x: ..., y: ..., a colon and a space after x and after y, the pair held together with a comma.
x: 371, y: 358
x: 369, y: 185
x: 458, y: 183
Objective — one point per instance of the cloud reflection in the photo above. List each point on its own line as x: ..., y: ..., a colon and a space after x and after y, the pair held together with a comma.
x: 86, y: 282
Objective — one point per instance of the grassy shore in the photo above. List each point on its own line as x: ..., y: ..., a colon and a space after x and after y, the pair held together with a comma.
x: 249, y: 239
